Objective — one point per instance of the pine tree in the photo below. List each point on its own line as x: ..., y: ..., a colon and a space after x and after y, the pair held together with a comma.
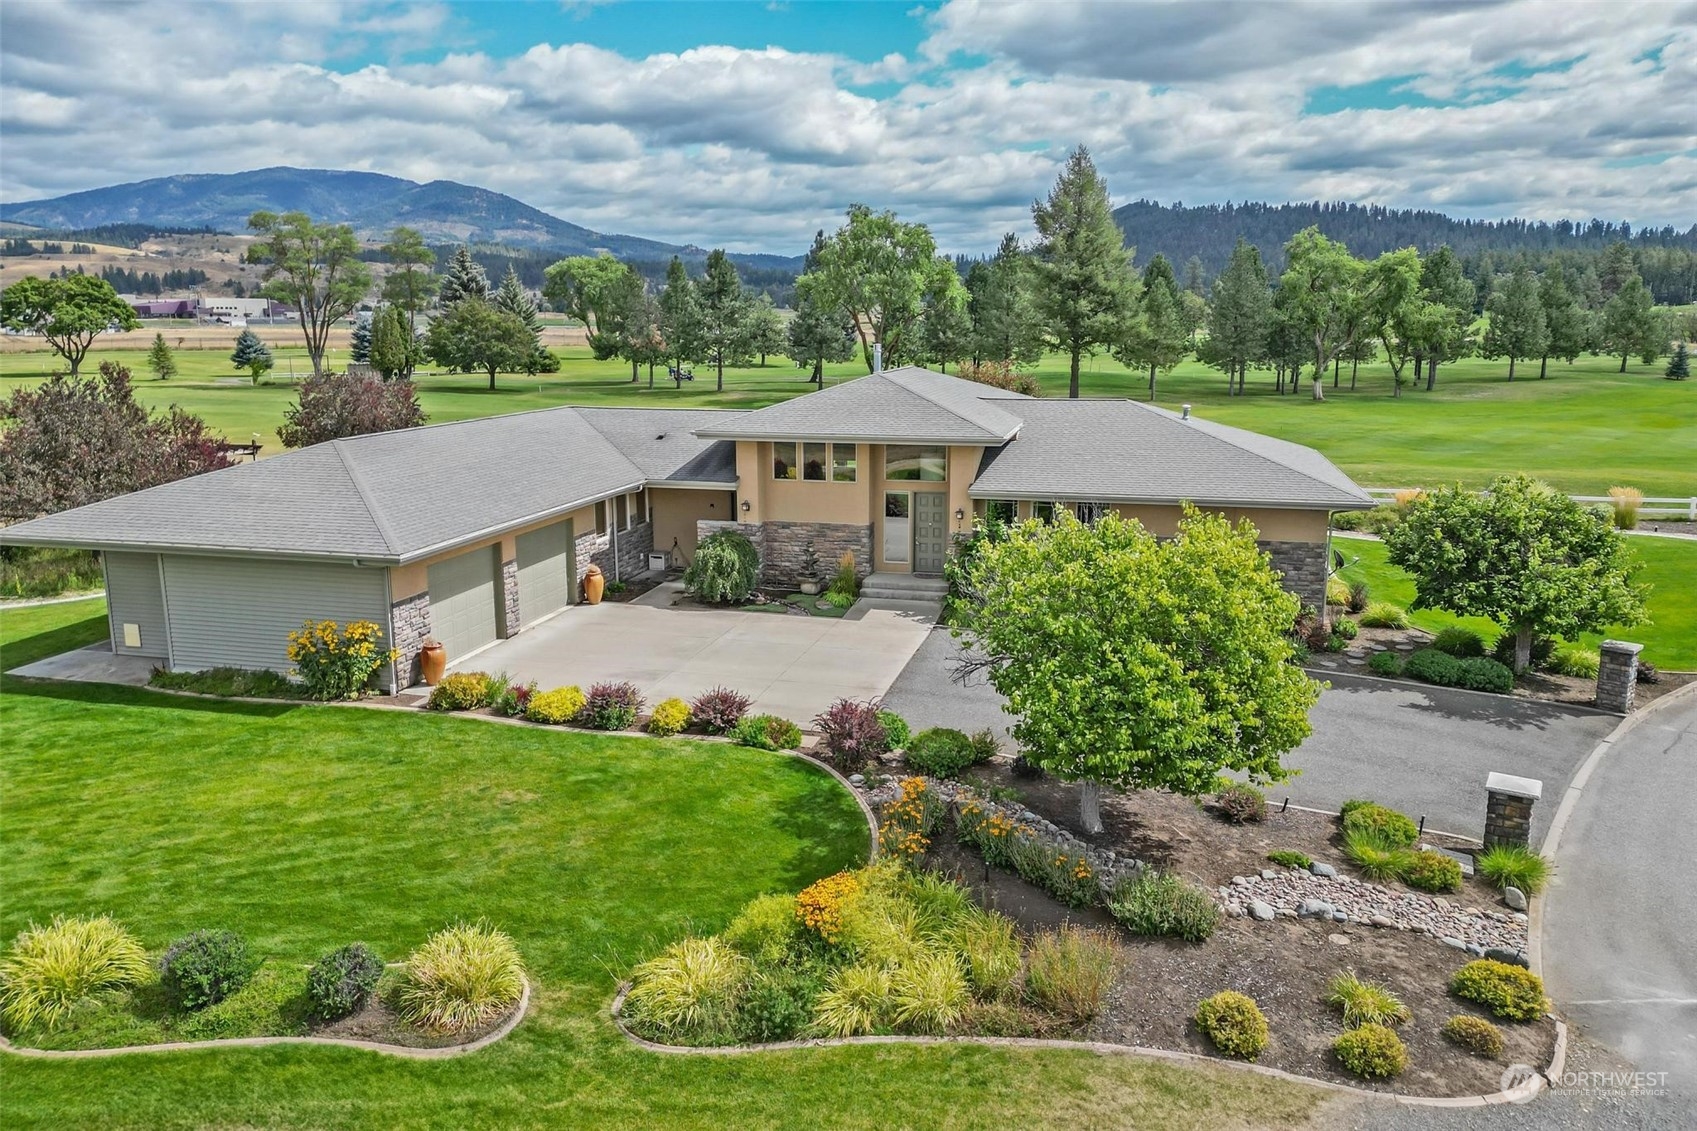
x: 1086, y: 292
x: 1241, y: 318
x: 360, y: 349
x: 1443, y: 284
x: 160, y: 359
x: 1630, y: 324
x: 765, y: 329
x: 252, y: 355
x: 1006, y: 325
x: 819, y: 332
x: 1569, y: 326
x: 1679, y: 365
x: 464, y: 279
x: 1517, y: 328
x: 1156, y: 338
x: 680, y: 319
x: 724, y: 312
x: 511, y: 297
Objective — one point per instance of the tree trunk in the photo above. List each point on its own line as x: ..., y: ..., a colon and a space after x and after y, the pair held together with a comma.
x: 1511, y: 367
x: 1151, y: 384
x: 1090, y: 807
x: 635, y: 372
x: 491, y: 378
x: 720, y: 363
x: 1354, y: 371
x: 1522, y: 648
x: 1337, y: 367
x: 1623, y: 358
x: 1543, y: 366
x: 1419, y: 365
x: 1431, y: 374
x: 1319, y: 374
x: 651, y: 375
x: 1072, y: 388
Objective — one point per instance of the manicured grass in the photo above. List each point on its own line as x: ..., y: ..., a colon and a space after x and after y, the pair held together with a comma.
x: 37, y: 631
x: 1670, y: 564
x: 1584, y: 429
x: 306, y: 827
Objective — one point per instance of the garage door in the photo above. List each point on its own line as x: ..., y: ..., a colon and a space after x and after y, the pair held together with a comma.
x: 462, y: 602
x: 545, y: 571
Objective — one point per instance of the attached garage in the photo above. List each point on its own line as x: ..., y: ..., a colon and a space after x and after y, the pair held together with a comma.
x: 547, y: 574
x: 238, y: 612
x: 462, y: 601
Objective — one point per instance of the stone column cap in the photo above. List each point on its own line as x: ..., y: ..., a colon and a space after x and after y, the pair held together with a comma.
x: 1624, y: 647
x: 1530, y: 788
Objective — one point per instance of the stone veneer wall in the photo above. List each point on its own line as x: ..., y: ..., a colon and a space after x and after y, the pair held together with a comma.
x: 510, y: 598
x: 592, y: 549
x: 1508, y: 819
x: 411, y: 619
x: 1617, y: 675
x: 1305, y: 567
x: 780, y: 546
x: 634, y: 546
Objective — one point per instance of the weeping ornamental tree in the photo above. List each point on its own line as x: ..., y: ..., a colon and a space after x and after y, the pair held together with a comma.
x: 1132, y: 663
x: 1522, y: 554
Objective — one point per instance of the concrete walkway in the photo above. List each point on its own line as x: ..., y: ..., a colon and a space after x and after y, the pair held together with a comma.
x: 793, y: 666
x: 1620, y: 919
x: 92, y: 664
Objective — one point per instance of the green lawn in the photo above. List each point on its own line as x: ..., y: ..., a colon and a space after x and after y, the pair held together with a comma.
x: 306, y: 827
x: 1670, y: 569
x: 1586, y: 428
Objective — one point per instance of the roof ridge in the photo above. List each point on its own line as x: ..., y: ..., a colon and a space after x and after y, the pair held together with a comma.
x: 1172, y: 417
x: 928, y: 399
x: 384, y: 531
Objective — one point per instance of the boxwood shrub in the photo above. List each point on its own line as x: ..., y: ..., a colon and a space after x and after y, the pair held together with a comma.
x: 204, y: 967
x: 941, y: 752
x: 1433, y: 666
x: 1372, y: 1052
x: 342, y: 981
x: 1385, y: 663
x: 1234, y: 1023
x: 1509, y: 991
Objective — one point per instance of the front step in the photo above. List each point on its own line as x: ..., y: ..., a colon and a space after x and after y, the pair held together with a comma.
x: 903, y: 587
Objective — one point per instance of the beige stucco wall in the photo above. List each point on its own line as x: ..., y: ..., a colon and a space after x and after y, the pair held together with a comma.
x: 414, y: 578
x: 676, y: 510
x: 1273, y: 524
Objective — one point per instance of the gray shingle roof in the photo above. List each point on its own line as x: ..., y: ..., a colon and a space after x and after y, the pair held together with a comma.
x: 906, y: 405
x: 1123, y: 451
x: 399, y: 496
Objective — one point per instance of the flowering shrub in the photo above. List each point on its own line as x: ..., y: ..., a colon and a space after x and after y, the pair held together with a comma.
x: 336, y: 662
x: 819, y: 907
x: 461, y: 691
x: 851, y: 734
x: 670, y: 716
x: 909, y: 821
x: 993, y: 834
x: 612, y: 706
x: 718, y: 710
x: 1065, y: 875
x: 561, y: 705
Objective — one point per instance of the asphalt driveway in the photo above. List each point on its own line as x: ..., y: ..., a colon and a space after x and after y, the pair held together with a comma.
x: 1424, y: 750
x: 793, y: 666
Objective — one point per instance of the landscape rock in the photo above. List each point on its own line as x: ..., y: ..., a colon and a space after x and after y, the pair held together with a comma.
x: 1383, y: 921
x: 1451, y: 940
x: 1513, y: 957
x: 1340, y: 940
x: 1269, y: 873
x: 1259, y: 910
x: 1514, y: 897
x: 1314, y: 908
x: 1320, y: 868
x: 857, y: 779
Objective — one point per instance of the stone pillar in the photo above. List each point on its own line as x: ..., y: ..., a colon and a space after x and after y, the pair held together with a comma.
x: 1617, y: 675
x: 509, y: 598
x: 410, y: 617
x: 1508, y: 809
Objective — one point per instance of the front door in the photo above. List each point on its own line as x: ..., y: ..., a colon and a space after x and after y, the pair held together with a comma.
x: 930, y: 530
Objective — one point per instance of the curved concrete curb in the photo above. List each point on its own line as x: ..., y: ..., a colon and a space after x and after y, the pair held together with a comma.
x: 440, y: 1053
x: 1524, y: 1094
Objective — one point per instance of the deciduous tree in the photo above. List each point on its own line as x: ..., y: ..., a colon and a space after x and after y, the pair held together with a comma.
x: 765, y: 329
x: 1517, y: 328
x: 475, y: 336
x: 1522, y: 554
x: 333, y: 406
x: 411, y: 285
x: 70, y: 312
x: 69, y: 441
x: 1086, y: 293
x: 1442, y: 331
x: 820, y: 332
x: 1135, y: 663
x: 313, y: 268
x: 591, y: 289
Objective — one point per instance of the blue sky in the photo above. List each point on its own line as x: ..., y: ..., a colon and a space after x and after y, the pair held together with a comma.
x: 752, y: 124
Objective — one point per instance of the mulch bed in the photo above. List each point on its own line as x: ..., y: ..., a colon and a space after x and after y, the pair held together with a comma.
x: 380, y: 1022
x: 1285, y: 964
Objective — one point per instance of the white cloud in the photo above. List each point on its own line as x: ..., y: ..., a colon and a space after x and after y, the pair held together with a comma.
x: 757, y: 148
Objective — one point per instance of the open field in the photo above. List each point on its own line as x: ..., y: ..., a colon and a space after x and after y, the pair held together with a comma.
x: 1585, y: 429
x: 307, y: 827
x: 1670, y: 569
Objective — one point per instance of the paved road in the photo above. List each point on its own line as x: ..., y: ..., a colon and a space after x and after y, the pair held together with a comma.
x: 1425, y: 750
x: 1620, y: 920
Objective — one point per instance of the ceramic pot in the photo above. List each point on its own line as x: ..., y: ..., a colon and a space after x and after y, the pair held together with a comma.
x: 593, y: 585
x: 432, y: 662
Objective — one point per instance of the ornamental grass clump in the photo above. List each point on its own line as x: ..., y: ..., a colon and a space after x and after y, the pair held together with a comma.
x: 1372, y: 1052
x: 1234, y: 1023
x: 1364, y: 1003
x: 928, y: 993
x: 851, y: 734
x: 856, y: 1001
x: 690, y: 991
x: 1069, y: 971
x: 1379, y: 858
x: 342, y: 981
x: 51, y: 969
x: 719, y: 710
x: 766, y: 929
x: 670, y: 717
x: 1367, y: 816
x: 204, y: 967
x: 1383, y: 614
x: 1160, y: 904
x: 1513, y: 865
x: 555, y: 707
x: 1625, y: 502
x: 1511, y: 992
x: 1574, y: 660
x: 611, y: 706
x: 335, y: 662
x: 461, y: 978
x: 989, y: 949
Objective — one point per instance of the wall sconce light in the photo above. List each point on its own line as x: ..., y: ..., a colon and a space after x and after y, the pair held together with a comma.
x: 960, y: 513
x: 747, y: 506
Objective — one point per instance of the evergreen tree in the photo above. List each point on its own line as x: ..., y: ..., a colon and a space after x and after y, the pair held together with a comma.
x: 1195, y: 281
x: 1444, y: 332
x: 1156, y: 338
x: 464, y: 279
x: 511, y: 297
x: 1615, y: 269
x: 724, y: 312
x: 1001, y: 302
x: 639, y: 329
x: 394, y: 349
x: 160, y: 359
x: 1085, y: 290
x: 945, y: 333
x: 680, y: 318
x: 252, y: 355
x: 1569, y: 326
x: 1517, y: 328
x: 765, y: 329
x: 360, y: 349
x: 819, y: 332
x: 1630, y: 325
x: 1679, y: 365
x: 1241, y: 318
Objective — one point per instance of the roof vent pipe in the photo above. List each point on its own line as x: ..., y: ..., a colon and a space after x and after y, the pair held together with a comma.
x: 877, y: 357
x: 1186, y: 409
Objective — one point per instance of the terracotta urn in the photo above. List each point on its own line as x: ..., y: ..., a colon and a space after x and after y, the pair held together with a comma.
x: 593, y: 585
x: 432, y: 661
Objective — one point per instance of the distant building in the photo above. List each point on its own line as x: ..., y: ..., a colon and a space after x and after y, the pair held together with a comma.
x: 232, y: 310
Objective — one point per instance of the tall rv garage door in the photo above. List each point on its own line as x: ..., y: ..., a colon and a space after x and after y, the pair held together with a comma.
x: 238, y: 612
x: 462, y: 602
x: 546, y: 574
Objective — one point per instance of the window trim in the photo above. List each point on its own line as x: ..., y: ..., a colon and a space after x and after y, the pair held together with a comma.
x: 793, y: 466
x: 853, y: 463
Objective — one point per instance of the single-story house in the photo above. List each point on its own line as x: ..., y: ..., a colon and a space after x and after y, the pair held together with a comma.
x: 478, y: 529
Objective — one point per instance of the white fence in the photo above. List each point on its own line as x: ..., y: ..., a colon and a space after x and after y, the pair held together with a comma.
x: 1668, y: 507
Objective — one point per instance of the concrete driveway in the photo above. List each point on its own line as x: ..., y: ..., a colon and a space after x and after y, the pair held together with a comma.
x: 1424, y: 750
x: 793, y: 666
